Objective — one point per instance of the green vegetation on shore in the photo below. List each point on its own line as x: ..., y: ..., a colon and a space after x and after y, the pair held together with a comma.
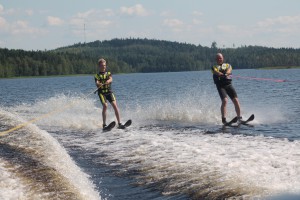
x: 138, y: 55
x: 70, y: 75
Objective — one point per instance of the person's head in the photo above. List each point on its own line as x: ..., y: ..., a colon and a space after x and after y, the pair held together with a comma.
x: 102, y: 64
x: 219, y: 58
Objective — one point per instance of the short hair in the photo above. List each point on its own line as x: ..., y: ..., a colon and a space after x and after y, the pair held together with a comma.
x: 219, y: 54
x: 101, y: 60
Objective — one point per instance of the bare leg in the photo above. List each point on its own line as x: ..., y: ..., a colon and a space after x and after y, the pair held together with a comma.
x: 237, y: 106
x: 223, y: 107
x: 115, y: 107
x: 104, y: 113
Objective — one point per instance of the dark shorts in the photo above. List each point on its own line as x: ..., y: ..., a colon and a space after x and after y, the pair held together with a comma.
x: 226, y: 90
x: 107, y: 97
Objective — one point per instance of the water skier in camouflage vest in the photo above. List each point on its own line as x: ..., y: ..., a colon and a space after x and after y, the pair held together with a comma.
x: 222, y: 78
x: 103, y: 81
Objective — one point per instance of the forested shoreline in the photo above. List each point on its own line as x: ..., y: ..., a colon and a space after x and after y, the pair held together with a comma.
x: 138, y: 55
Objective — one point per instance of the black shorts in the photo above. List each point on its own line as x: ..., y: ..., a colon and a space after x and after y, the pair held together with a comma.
x: 226, y: 90
x: 107, y: 97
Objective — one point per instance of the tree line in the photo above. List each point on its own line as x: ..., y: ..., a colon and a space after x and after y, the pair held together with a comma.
x: 138, y: 55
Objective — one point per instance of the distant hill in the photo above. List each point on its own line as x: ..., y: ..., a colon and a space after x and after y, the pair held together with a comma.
x: 138, y: 55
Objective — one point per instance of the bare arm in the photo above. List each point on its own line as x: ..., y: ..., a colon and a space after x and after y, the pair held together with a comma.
x: 110, y: 79
x: 216, y: 72
x: 98, y: 83
x: 228, y: 71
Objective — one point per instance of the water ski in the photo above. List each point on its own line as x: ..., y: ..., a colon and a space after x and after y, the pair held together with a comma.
x: 234, y: 120
x: 128, y: 123
x: 110, y: 126
x: 251, y: 118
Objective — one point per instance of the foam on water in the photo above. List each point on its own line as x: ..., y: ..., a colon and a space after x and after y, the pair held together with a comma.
x: 63, y: 111
x: 192, y: 161
x: 78, y: 112
x: 40, y: 164
x: 10, y: 186
x: 177, y: 160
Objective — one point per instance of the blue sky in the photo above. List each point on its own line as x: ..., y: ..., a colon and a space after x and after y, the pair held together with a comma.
x: 46, y: 25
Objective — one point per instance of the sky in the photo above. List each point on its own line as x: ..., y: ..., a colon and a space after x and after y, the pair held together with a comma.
x: 50, y: 24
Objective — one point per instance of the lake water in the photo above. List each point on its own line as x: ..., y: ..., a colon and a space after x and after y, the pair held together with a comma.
x: 52, y: 145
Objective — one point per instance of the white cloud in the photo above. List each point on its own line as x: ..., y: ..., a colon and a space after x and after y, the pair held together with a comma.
x: 15, y: 11
x: 109, y: 12
x: 94, y: 19
x: 77, y: 21
x: 19, y: 27
x: 29, y: 12
x: 1, y: 8
x: 22, y: 28
x: 2, y: 23
x: 166, y: 14
x: 11, y: 11
x: 173, y: 23
x: 54, y: 21
x: 86, y: 14
x: 104, y: 23
x: 138, y: 10
x: 22, y: 24
x: 197, y: 13
x: 197, y: 21
x: 280, y: 27
x: 95, y: 13
x: 289, y: 19
x: 227, y: 28
x: 281, y: 20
